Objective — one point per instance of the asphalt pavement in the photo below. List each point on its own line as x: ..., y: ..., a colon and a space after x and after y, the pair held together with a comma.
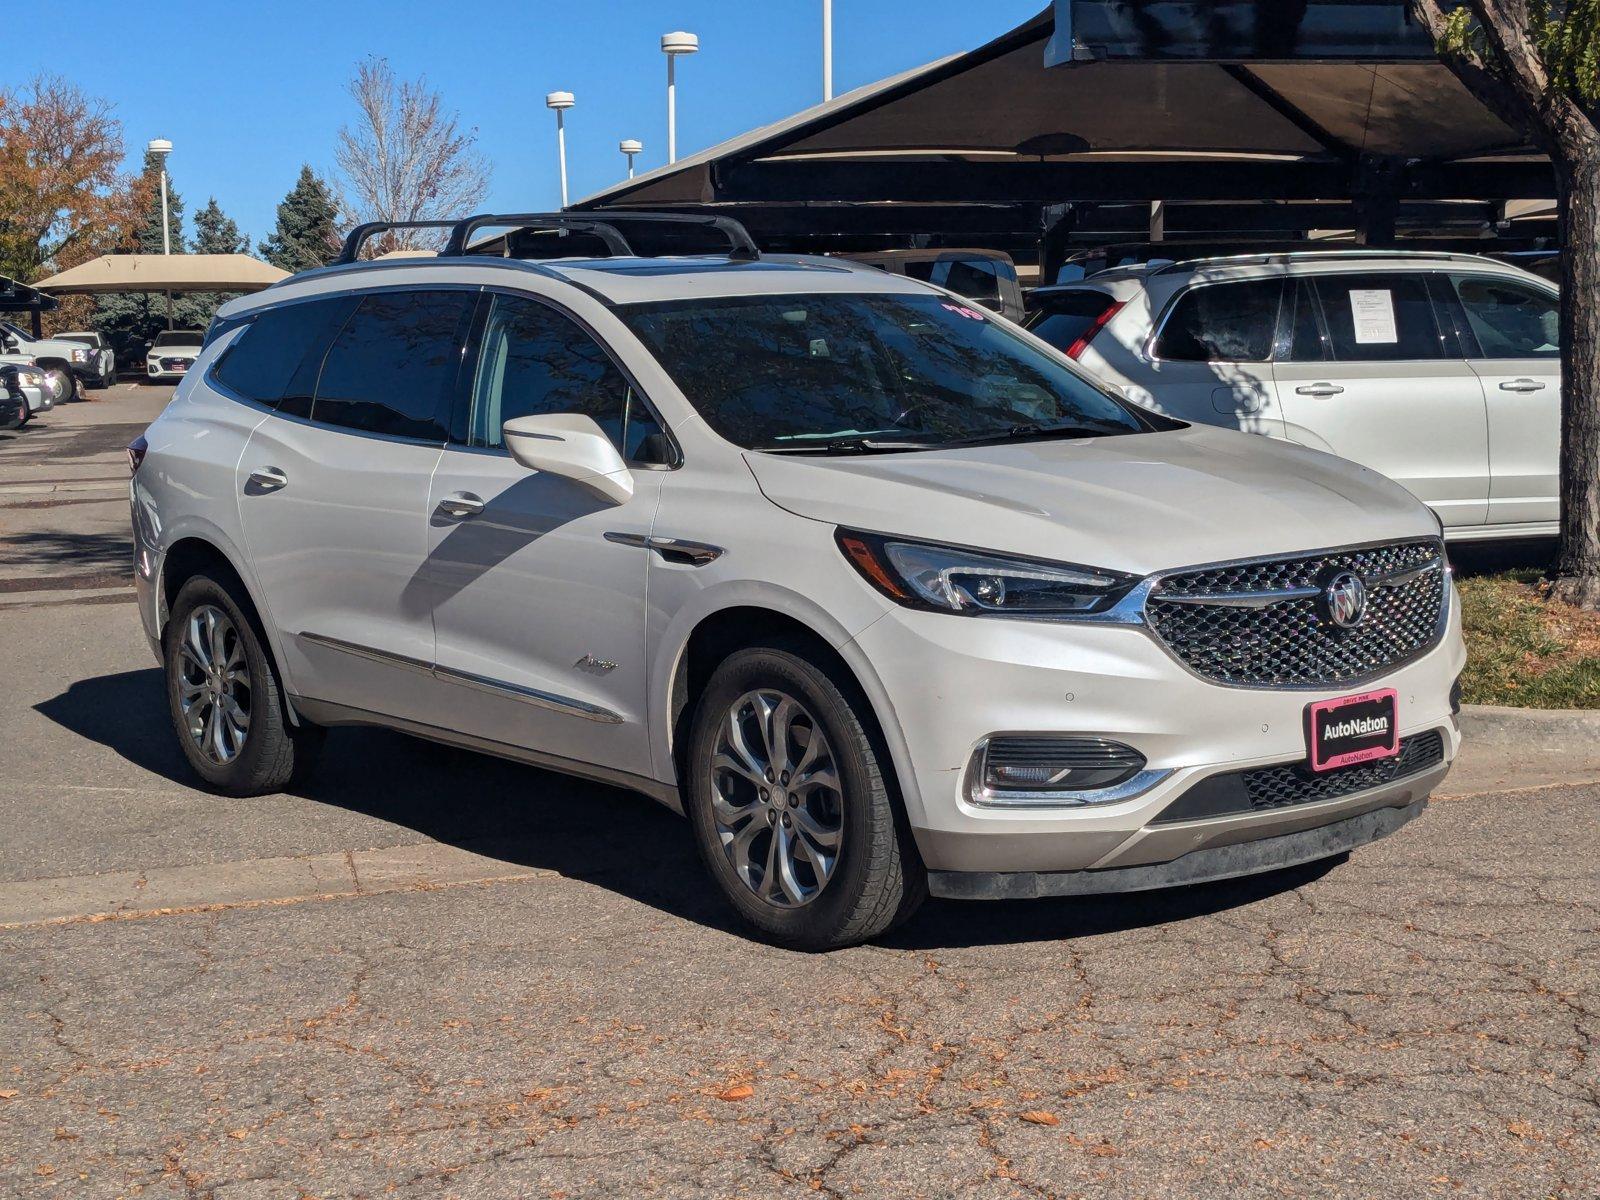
x: 433, y: 974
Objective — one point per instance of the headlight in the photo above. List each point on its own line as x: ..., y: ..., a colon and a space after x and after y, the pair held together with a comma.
x: 80, y: 356
x: 976, y: 583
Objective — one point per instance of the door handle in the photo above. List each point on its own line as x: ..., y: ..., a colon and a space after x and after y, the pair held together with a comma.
x: 673, y: 550
x: 269, y: 479
x: 1521, y: 385
x: 462, y: 504
x: 1319, y: 389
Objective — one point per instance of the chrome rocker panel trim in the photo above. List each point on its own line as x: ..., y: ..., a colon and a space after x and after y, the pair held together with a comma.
x: 496, y: 687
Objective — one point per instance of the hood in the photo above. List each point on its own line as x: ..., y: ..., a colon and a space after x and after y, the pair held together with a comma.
x: 1138, y: 503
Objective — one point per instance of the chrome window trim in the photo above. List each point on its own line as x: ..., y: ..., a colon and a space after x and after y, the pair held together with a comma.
x: 553, y: 701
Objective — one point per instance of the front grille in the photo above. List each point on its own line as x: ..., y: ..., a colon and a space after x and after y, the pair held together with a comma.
x: 1229, y: 623
x: 1264, y: 789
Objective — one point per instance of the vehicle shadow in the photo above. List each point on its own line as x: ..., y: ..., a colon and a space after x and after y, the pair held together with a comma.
x: 610, y: 837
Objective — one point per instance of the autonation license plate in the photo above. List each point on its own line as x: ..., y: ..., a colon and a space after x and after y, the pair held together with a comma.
x: 1352, y: 729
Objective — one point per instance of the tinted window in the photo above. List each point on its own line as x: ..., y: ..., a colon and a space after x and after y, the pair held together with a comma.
x: 975, y: 277
x: 265, y: 360
x: 809, y: 372
x: 392, y: 369
x: 537, y: 361
x: 1306, y: 341
x: 1066, y: 316
x: 1222, y: 322
x: 1378, y: 317
x: 1510, y: 320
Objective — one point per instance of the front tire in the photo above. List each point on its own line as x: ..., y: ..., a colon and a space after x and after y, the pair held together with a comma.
x: 790, y: 807
x: 225, y: 700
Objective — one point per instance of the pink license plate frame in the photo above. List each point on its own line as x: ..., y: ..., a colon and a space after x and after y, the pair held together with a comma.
x: 1338, y: 733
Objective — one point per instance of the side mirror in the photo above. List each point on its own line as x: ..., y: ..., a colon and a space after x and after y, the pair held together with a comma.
x: 147, y: 345
x: 573, y: 446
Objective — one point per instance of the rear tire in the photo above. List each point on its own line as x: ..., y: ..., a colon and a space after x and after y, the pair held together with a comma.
x: 792, y: 814
x: 225, y: 699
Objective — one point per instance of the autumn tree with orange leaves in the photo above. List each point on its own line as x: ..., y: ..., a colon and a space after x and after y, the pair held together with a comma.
x: 63, y: 197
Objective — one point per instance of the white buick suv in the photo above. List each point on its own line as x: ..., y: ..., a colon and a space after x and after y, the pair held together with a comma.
x: 884, y: 594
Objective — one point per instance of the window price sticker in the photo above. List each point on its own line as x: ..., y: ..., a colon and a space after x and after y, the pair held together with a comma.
x: 1373, y: 313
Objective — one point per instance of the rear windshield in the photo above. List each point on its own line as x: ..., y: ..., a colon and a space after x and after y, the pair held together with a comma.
x: 781, y: 372
x: 1064, y: 317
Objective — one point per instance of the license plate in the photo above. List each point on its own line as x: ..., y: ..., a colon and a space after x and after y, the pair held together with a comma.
x: 179, y: 367
x: 1352, y: 729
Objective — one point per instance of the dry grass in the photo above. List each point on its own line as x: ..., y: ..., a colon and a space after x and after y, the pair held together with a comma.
x: 1525, y: 651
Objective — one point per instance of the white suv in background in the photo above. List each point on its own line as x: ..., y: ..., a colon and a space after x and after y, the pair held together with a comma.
x: 881, y: 591
x: 170, y: 355
x: 1442, y: 371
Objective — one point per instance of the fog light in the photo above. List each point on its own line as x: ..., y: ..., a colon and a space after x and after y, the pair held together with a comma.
x: 1056, y: 769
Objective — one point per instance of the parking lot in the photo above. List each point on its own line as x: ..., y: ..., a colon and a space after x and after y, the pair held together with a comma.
x: 435, y: 974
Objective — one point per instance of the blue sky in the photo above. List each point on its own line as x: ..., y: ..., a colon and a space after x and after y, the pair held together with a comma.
x: 247, y: 91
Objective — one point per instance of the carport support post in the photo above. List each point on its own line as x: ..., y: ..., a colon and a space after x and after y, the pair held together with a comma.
x: 1056, y: 224
x: 1158, y: 220
x: 169, y: 310
x: 1377, y: 196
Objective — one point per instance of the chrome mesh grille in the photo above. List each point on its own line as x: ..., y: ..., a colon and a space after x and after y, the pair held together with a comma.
x: 1290, y: 642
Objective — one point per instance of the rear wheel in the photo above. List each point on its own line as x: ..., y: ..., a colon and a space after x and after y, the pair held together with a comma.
x: 224, y: 697
x: 791, y: 811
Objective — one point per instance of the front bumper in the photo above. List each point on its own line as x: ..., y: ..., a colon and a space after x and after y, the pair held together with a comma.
x: 953, y: 682
x: 1200, y: 866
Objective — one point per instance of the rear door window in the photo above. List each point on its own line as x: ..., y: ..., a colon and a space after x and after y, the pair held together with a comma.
x: 1379, y: 317
x: 1222, y: 322
x: 280, y: 345
x: 1510, y: 319
x: 392, y: 369
x: 1064, y: 317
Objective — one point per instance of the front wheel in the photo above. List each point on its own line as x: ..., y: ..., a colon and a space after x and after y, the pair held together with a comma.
x: 790, y: 807
x: 226, y: 705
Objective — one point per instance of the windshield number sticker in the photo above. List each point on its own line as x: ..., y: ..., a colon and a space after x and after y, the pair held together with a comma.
x: 963, y: 311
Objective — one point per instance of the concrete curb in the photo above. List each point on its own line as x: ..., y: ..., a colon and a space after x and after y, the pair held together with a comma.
x: 1506, y: 749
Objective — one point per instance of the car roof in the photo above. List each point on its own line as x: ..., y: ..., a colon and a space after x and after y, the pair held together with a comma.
x: 1177, y: 272
x: 613, y: 281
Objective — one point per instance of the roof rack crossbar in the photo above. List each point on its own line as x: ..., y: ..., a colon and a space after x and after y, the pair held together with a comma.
x: 358, y: 236
x: 603, y: 225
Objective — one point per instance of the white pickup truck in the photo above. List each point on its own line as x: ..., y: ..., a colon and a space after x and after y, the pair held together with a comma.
x: 68, y: 366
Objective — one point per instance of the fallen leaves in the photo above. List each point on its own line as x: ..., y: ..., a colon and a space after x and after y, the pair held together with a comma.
x: 739, y: 1091
x: 1039, y: 1116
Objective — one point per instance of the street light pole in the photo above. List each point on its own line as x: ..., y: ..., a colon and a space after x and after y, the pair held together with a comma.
x: 160, y: 148
x: 827, y: 49
x: 561, y: 101
x: 630, y: 147
x: 672, y: 45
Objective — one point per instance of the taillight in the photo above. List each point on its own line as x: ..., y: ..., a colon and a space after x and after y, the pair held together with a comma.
x: 136, y: 452
x: 1099, y: 323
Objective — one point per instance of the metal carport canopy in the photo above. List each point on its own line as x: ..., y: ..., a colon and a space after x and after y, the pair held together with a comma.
x: 172, y: 273
x: 997, y: 126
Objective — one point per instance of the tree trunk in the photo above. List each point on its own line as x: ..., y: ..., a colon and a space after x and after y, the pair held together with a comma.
x: 1578, y: 191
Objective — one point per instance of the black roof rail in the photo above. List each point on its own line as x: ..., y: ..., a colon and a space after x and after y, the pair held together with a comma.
x: 741, y: 246
x: 358, y: 236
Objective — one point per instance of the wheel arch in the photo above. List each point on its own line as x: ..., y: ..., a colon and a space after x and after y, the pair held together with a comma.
x: 744, y: 620
x: 206, y: 552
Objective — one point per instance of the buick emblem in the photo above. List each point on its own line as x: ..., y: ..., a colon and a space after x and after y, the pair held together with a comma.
x: 1344, y: 598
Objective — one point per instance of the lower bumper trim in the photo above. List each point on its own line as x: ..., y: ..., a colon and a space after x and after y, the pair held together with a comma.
x: 1199, y: 866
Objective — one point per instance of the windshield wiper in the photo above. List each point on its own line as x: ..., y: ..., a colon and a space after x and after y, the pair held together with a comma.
x: 852, y: 445
x: 1034, y: 433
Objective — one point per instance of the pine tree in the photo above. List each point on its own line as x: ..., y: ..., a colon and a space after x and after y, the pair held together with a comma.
x: 307, y: 233
x: 130, y: 319
x: 216, y: 233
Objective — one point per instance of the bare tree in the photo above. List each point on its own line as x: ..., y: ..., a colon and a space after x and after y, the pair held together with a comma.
x: 1536, y: 63
x: 406, y: 158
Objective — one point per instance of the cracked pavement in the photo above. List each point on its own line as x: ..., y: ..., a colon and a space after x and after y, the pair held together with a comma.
x: 581, y: 1019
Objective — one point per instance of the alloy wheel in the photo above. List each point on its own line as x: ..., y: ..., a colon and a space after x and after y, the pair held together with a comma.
x: 214, y: 687
x: 776, y: 798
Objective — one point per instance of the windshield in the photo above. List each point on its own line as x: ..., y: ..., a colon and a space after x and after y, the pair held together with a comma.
x: 905, y: 371
x: 177, y: 337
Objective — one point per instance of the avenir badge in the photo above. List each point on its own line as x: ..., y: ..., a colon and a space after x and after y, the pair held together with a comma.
x: 1352, y: 729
